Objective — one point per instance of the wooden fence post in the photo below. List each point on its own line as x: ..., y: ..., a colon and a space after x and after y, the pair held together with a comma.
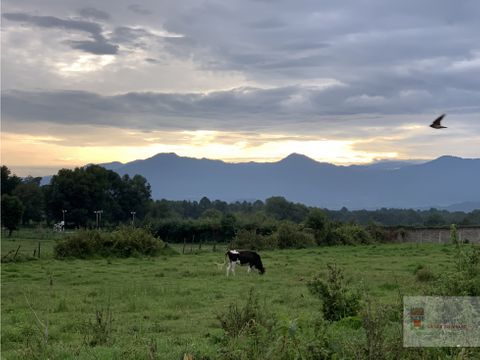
x: 16, y: 252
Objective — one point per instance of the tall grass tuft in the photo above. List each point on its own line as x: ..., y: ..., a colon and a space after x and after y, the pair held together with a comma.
x: 239, y: 319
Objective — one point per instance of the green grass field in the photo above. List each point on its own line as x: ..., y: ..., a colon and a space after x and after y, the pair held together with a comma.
x: 167, y: 306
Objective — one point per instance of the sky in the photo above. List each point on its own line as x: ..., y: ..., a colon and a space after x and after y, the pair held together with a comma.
x: 241, y: 80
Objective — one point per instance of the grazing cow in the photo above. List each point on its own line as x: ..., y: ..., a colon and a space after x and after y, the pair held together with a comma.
x: 244, y: 257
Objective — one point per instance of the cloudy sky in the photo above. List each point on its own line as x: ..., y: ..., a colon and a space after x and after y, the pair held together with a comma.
x: 339, y: 81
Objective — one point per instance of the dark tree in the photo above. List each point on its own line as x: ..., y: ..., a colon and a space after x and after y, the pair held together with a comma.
x: 204, y: 204
x: 228, y: 226
x: 9, y: 182
x: 31, y: 195
x: 134, y: 196
x: 318, y: 222
x: 84, y: 190
x: 281, y: 209
x: 12, y: 210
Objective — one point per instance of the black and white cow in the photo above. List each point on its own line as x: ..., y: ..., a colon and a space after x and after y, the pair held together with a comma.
x: 244, y: 257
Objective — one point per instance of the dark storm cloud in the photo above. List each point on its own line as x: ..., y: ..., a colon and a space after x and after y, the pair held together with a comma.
x: 99, y: 45
x: 53, y: 22
x: 239, y: 109
x: 95, y: 47
x: 131, y: 35
x: 387, y: 57
x: 139, y: 9
x: 369, y: 45
x: 93, y: 13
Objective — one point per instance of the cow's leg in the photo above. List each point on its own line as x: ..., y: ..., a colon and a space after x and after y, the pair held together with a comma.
x: 228, y: 267
x: 249, y: 268
x: 233, y: 267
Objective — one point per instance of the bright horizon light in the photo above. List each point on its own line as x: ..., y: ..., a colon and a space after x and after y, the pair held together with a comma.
x: 37, y: 152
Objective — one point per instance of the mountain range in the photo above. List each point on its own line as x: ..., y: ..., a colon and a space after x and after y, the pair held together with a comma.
x: 448, y: 182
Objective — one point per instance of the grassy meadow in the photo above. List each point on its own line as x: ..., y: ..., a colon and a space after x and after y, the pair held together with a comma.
x: 164, y: 307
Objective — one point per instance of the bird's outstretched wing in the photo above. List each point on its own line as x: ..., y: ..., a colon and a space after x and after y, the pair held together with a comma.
x: 436, y: 122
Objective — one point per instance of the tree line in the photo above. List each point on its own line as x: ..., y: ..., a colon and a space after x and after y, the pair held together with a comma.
x: 74, y: 195
x: 77, y: 194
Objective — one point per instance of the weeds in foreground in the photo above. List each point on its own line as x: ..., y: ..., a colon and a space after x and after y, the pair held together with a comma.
x: 99, y: 331
x: 240, y: 319
x: 465, y: 279
x: 339, y: 300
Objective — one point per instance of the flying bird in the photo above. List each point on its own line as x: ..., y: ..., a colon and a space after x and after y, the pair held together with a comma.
x: 436, y: 123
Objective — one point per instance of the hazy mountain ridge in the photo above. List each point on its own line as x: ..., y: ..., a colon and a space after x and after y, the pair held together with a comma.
x: 438, y: 183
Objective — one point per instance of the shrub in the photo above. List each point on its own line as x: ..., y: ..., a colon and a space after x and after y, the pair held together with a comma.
x: 339, y: 300
x: 246, y: 239
x: 317, y: 221
x: 424, y: 274
x: 288, y: 235
x: 468, y: 260
x: 454, y: 234
x: 247, y: 330
x: 383, y: 337
x: 123, y: 242
x: 417, y: 268
x: 253, y: 332
x: 464, y: 281
x: 380, y: 234
x: 349, y: 234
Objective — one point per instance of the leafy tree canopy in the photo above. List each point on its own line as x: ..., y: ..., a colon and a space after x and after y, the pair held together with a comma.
x: 12, y: 210
x: 84, y: 190
x: 9, y: 182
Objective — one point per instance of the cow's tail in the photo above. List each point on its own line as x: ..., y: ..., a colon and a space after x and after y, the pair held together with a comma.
x: 220, y: 265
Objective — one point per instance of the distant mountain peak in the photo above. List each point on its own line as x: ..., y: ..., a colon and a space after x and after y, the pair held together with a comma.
x: 170, y: 155
x: 297, y: 157
x: 446, y: 160
x: 109, y: 166
x: 299, y: 178
x: 448, y: 157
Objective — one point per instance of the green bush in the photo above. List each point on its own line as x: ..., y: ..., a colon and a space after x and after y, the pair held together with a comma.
x: 349, y: 234
x: 383, y: 338
x: 339, y: 300
x: 246, y: 239
x: 252, y: 332
x: 454, y: 234
x: 123, y: 242
x: 465, y: 280
x: 318, y: 222
x: 424, y: 274
x: 289, y: 235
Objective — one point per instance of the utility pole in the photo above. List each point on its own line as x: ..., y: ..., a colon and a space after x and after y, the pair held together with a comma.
x: 98, y: 217
x: 63, y: 218
x: 133, y: 217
